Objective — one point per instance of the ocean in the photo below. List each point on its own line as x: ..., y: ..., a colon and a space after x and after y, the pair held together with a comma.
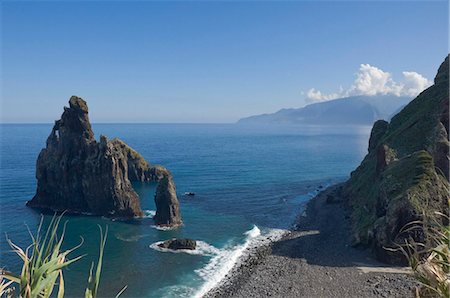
x: 250, y: 183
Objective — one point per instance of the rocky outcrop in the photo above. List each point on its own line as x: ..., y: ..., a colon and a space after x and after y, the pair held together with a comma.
x: 378, y: 130
x: 404, y: 177
x: 77, y: 174
x: 167, y: 206
x: 176, y: 244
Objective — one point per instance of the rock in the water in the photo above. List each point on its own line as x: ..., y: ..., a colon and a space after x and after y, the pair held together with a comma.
x: 176, y: 244
x: 77, y: 174
x: 167, y: 206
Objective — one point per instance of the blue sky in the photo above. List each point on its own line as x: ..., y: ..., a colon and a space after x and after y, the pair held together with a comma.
x: 205, y: 61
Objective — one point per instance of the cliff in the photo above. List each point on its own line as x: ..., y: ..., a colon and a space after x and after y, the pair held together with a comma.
x: 405, y: 174
x: 80, y: 175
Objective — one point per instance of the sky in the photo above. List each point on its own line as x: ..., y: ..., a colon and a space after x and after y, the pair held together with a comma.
x: 211, y: 62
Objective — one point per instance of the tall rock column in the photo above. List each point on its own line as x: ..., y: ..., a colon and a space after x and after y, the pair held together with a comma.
x: 167, y: 205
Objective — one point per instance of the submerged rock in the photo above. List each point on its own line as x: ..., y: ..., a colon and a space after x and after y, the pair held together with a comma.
x: 75, y: 173
x: 176, y: 244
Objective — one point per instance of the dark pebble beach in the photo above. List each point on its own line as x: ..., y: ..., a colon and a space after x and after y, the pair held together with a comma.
x: 315, y: 259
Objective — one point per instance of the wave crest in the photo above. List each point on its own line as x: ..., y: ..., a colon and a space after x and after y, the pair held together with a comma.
x: 221, y: 264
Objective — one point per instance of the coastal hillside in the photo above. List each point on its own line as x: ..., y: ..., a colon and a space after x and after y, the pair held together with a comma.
x: 363, y: 110
x: 404, y: 176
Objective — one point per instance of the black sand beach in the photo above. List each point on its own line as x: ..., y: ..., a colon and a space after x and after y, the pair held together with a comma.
x: 315, y: 260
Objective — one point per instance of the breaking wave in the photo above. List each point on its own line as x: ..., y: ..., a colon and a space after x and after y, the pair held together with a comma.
x: 222, y: 263
x: 149, y: 213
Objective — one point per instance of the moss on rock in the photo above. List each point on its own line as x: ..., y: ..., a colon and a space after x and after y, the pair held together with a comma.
x: 405, y: 173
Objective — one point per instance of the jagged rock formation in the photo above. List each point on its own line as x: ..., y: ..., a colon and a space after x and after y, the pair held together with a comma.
x: 167, y: 206
x: 176, y: 244
x: 80, y: 175
x: 405, y: 174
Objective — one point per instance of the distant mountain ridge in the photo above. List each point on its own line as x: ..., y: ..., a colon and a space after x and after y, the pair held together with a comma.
x: 348, y: 110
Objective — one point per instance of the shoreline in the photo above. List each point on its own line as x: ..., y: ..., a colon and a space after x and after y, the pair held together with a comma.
x: 325, y: 265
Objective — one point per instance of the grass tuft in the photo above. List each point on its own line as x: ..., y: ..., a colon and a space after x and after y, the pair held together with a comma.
x: 430, y: 261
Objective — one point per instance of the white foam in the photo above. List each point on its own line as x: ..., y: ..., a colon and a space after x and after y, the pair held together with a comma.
x: 254, y: 232
x: 149, y: 213
x: 221, y: 264
x: 202, y: 248
x: 179, y: 291
x: 164, y: 228
x: 222, y: 260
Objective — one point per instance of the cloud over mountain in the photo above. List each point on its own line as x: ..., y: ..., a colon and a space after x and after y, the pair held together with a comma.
x: 371, y: 80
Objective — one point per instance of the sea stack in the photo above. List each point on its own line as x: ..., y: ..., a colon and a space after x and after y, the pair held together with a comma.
x: 77, y: 174
x: 167, y: 206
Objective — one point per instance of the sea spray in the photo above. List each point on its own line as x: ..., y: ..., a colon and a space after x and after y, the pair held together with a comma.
x: 149, y: 213
x: 219, y: 265
x: 221, y: 262
x: 163, y: 228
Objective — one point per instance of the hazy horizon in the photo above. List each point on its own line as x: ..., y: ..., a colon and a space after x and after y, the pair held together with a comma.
x: 211, y: 62
x: 230, y: 122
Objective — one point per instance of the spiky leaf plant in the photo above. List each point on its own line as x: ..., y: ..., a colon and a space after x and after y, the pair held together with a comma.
x: 430, y: 261
x: 43, y: 263
x: 94, y: 280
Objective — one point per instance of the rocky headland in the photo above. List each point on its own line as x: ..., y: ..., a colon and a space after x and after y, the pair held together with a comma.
x: 404, y: 176
x: 77, y: 174
x: 336, y: 246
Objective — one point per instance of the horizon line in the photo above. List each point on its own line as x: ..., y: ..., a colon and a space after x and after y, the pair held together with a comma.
x: 33, y: 123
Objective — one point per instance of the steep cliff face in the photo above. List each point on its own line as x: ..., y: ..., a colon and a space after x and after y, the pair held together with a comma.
x: 405, y: 174
x: 78, y: 174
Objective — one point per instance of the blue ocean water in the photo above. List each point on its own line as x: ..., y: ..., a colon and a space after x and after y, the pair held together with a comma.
x: 249, y: 181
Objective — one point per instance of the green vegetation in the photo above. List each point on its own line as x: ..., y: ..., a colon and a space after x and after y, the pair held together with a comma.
x: 133, y: 155
x: 43, y: 264
x: 404, y: 172
x: 430, y: 264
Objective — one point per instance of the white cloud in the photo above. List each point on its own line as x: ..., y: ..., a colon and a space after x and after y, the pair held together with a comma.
x: 414, y: 83
x: 371, y: 80
x: 316, y: 95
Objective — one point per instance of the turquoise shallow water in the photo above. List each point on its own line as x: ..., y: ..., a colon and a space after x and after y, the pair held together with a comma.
x: 246, y: 179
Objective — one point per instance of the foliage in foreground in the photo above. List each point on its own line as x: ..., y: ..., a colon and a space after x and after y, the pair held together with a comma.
x: 43, y: 263
x: 430, y: 263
